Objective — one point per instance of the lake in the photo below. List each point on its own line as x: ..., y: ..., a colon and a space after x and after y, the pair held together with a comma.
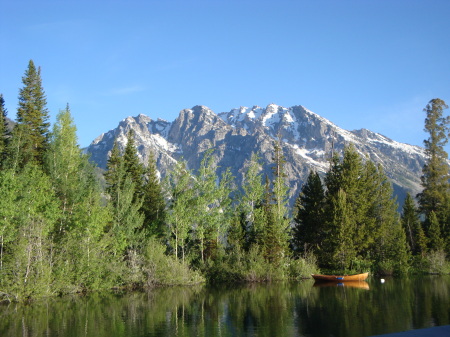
x: 274, y: 309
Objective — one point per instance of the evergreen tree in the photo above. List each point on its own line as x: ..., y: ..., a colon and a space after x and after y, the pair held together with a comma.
x: 436, y: 241
x: 276, y: 230
x: 345, y: 208
x: 411, y: 224
x: 30, y: 136
x: 280, y: 189
x: 4, y: 131
x: 132, y: 166
x: 421, y: 240
x: 115, y: 173
x: 390, y: 249
x: 275, y: 236
x: 435, y: 179
x: 339, y: 244
x: 308, y: 231
x: 154, y: 204
x: 361, y: 216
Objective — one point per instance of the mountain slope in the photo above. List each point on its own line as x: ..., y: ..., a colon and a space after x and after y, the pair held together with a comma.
x: 307, y: 140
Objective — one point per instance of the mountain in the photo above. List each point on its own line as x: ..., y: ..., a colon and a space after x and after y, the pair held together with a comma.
x: 307, y: 141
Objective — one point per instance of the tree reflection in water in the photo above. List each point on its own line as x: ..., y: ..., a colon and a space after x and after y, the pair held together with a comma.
x: 276, y: 309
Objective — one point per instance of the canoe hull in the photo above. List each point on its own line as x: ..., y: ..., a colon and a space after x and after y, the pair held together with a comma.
x: 340, y: 278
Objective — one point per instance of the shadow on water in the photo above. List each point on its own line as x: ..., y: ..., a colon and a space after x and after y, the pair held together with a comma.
x: 275, y: 309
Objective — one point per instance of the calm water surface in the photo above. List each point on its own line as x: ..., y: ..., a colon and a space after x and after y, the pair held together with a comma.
x: 277, y: 309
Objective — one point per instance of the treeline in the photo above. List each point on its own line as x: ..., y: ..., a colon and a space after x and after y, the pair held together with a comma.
x: 62, y: 232
x: 349, y: 220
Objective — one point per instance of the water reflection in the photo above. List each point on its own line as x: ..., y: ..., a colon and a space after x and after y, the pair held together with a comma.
x: 348, y: 284
x: 278, y: 309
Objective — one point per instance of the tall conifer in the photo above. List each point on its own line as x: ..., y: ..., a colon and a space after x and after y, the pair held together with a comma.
x: 308, y: 231
x: 435, y: 179
x: 154, y: 204
x: 32, y: 130
x: 114, y: 174
x: 132, y: 166
x: 411, y: 224
x: 4, y: 130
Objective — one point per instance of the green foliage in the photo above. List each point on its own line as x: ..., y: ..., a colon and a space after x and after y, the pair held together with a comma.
x: 435, y: 262
x: 154, y: 205
x: 275, y: 236
x: 132, y: 166
x: 436, y: 241
x: 309, y: 215
x: 32, y: 212
x: 114, y: 174
x: 126, y: 219
x: 4, y: 131
x: 413, y: 227
x: 179, y: 187
x: 303, y: 267
x: 435, y: 196
x: 61, y: 233
x: 250, y: 222
x: 31, y: 135
x: 361, y: 222
x: 160, y: 269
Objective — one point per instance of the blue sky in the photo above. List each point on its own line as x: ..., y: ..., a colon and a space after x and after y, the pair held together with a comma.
x: 361, y: 64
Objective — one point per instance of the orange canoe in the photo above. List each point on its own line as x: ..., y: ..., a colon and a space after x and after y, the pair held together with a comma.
x: 340, y: 278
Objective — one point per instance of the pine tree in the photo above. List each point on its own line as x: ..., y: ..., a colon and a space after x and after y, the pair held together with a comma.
x: 308, y: 231
x: 32, y: 131
x: 133, y: 167
x: 339, y: 243
x: 276, y: 231
x: 435, y: 178
x: 154, y: 204
x: 390, y: 249
x: 4, y: 131
x: 361, y: 216
x: 436, y: 241
x: 115, y: 173
x: 411, y: 224
x: 280, y: 189
x: 345, y: 208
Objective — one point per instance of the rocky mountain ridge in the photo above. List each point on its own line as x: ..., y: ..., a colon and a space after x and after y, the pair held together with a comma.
x: 307, y: 141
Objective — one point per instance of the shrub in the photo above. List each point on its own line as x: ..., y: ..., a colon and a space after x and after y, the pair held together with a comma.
x: 160, y: 269
x: 303, y: 267
x: 435, y: 262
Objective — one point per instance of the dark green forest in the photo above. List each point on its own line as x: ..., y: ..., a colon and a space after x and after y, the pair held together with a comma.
x: 64, y: 230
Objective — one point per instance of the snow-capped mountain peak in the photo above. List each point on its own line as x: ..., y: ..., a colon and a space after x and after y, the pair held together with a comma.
x: 307, y: 141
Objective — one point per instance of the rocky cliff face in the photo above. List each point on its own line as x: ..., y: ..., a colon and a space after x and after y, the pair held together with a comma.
x: 307, y: 141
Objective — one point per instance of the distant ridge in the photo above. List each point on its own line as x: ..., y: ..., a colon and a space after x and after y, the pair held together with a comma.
x: 307, y: 142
